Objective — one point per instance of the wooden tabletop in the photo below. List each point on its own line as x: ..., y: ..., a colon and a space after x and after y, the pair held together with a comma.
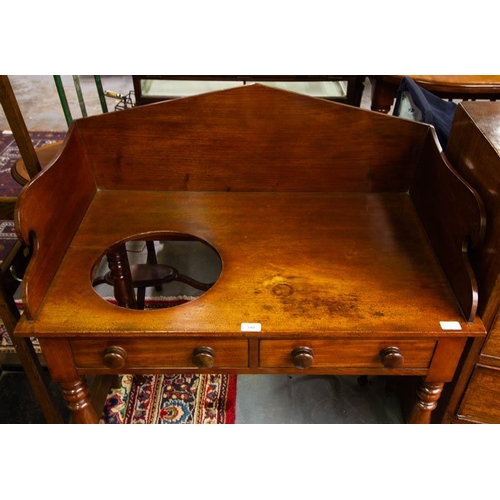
x: 321, y: 264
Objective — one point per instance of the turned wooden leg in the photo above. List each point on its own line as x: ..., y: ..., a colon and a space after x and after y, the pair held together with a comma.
x: 428, y: 394
x: 77, y: 398
x: 122, y: 279
x: 383, y: 95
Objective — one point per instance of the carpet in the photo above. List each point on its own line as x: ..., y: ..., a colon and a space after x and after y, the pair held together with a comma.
x: 9, y: 155
x: 172, y: 399
x: 163, y: 399
x: 8, y: 238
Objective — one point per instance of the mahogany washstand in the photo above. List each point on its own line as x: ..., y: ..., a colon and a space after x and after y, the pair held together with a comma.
x: 343, y: 234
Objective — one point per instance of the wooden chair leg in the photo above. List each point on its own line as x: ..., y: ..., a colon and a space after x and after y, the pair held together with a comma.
x: 150, y: 246
x: 120, y: 274
x: 37, y: 378
x: 383, y: 95
x: 141, y: 297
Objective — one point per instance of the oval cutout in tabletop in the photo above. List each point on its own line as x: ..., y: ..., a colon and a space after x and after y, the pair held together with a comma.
x: 165, y: 271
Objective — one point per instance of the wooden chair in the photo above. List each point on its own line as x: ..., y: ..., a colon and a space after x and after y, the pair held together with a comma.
x: 150, y: 274
x: 8, y: 309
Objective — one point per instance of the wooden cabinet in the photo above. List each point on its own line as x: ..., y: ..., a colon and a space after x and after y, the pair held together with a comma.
x: 474, y: 151
x: 476, y: 391
x: 481, y: 399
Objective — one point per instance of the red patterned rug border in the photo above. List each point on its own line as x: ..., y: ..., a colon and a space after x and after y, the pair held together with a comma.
x: 231, y: 396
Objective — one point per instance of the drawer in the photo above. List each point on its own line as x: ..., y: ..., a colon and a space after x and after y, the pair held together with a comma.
x: 481, y: 402
x: 160, y: 353
x: 345, y: 353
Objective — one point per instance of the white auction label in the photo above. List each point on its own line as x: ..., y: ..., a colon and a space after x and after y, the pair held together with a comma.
x: 251, y: 327
x: 450, y: 325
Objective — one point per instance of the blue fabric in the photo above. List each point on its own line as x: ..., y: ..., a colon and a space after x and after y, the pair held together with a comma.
x: 435, y: 111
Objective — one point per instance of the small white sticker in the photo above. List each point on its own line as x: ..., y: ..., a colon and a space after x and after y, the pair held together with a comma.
x: 450, y: 325
x: 251, y: 327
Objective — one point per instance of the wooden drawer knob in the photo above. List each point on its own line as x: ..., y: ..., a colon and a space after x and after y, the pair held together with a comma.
x: 204, y: 357
x: 392, y: 357
x: 114, y: 357
x: 302, y: 357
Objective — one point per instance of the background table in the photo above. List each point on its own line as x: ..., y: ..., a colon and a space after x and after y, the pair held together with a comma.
x: 461, y: 87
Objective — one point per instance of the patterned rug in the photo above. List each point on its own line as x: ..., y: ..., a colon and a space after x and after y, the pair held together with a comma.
x: 9, y: 154
x: 172, y: 399
x: 163, y: 399
x: 8, y: 238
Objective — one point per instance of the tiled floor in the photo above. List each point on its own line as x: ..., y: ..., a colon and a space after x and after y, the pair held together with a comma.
x: 260, y: 398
